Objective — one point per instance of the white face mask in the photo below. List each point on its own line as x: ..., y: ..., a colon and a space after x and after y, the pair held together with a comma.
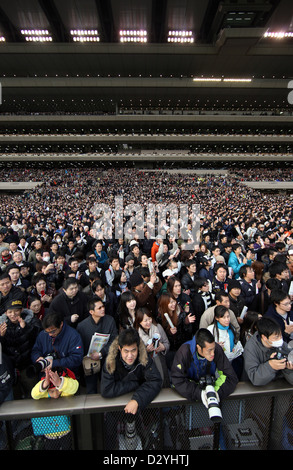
x: 277, y: 344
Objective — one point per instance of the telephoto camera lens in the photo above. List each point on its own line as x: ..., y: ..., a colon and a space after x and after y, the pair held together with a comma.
x: 214, y: 409
x: 35, y: 369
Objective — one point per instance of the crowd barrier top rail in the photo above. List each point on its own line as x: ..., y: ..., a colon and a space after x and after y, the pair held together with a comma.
x: 86, y: 404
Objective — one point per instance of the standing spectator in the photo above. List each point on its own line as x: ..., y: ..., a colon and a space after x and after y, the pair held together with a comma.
x: 96, y: 322
x: 71, y: 303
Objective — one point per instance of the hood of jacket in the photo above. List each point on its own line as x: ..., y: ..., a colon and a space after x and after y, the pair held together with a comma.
x: 114, y: 351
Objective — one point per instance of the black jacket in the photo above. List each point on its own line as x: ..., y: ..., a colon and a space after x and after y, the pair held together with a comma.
x: 67, y: 307
x: 143, y: 379
x: 190, y: 389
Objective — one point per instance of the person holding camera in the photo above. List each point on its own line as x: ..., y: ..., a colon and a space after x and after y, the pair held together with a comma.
x: 197, y: 359
x: 60, y: 342
x: 266, y: 354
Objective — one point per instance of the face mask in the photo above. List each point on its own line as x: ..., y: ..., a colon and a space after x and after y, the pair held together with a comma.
x: 46, y: 258
x: 278, y: 343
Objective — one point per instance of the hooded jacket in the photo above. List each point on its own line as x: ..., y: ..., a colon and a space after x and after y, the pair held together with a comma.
x: 18, y: 342
x: 256, y: 363
x: 143, y: 378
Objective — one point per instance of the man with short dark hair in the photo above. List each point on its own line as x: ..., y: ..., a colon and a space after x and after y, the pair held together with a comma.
x: 60, y: 342
x: 96, y: 322
x: 9, y: 292
x: 129, y: 368
x: 200, y: 357
x: 261, y: 362
x: 70, y: 302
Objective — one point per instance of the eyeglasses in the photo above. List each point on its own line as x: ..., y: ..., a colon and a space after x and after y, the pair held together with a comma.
x: 285, y: 304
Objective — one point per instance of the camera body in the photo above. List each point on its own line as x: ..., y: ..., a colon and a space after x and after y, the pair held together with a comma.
x: 39, y: 366
x: 207, y: 383
x: 281, y: 354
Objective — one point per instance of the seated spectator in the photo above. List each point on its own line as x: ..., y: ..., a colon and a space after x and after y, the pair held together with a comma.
x: 128, y: 368
x: 197, y: 358
x: 260, y: 354
x: 71, y: 303
x: 280, y: 309
x: 59, y: 343
x: 96, y: 322
x: 149, y: 331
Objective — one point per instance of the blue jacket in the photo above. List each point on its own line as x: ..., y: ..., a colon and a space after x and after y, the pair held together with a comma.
x: 235, y: 265
x: 272, y: 313
x: 67, y: 350
x: 187, y: 368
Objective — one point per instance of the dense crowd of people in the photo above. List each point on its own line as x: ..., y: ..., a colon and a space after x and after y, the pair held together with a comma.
x: 61, y: 285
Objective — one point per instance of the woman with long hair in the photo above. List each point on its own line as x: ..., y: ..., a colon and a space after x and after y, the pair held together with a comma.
x: 155, y: 339
x: 181, y: 329
x: 126, y: 310
x: 224, y: 334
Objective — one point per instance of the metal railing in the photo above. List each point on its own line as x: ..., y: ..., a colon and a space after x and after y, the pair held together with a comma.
x: 252, y: 418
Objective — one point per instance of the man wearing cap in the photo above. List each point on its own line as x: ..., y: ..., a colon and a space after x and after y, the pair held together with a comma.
x: 145, y: 293
x: 18, y: 331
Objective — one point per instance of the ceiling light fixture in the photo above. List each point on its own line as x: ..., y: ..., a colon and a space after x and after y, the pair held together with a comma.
x: 207, y: 79
x: 85, y: 35
x: 278, y: 34
x: 36, y: 35
x: 181, y: 37
x: 133, y: 35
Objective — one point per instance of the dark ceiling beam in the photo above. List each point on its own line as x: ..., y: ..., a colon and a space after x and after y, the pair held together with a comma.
x: 158, y: 21
x: 208, y: 20
x: 58, y: 30
x: 11, y: 33
x: 107, y: 29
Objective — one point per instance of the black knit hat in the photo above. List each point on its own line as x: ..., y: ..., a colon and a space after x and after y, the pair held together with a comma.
x: 136, y: 279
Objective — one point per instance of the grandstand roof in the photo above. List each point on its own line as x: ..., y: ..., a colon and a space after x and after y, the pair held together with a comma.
x: 228, y: 42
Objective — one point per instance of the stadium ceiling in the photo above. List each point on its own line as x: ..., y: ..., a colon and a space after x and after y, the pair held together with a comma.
x: 226, y: 39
